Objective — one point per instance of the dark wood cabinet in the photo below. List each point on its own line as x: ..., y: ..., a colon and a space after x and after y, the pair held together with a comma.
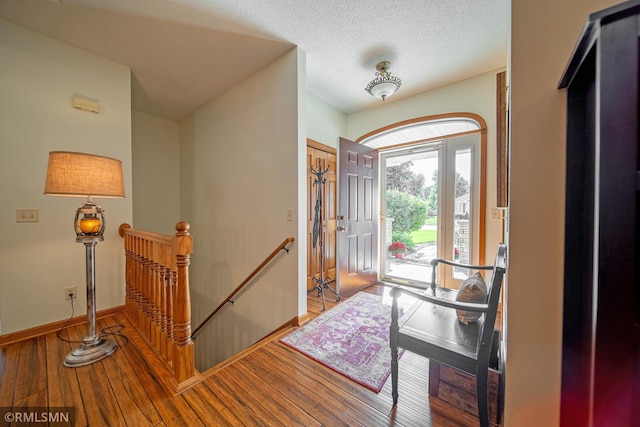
x: 600, y: 361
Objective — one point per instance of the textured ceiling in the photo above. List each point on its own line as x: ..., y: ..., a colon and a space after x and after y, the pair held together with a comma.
x: 183, y: 53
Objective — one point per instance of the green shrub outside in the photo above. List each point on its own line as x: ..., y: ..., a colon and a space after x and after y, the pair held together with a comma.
x: 409, y: 213
x: 404, y: 237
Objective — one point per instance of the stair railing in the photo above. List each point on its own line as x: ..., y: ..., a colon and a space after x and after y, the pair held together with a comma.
x: 229, y: 299
x: 158, y: 301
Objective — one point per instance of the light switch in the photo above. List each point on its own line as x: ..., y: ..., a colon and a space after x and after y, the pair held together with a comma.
x: 27, y: 215
x: 289, y: 214
x: 495, y: 213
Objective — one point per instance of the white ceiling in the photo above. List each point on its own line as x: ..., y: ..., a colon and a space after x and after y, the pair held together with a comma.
x: 183, y: 53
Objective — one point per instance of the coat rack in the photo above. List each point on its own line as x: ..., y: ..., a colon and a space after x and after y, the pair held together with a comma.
x: 322, y: 282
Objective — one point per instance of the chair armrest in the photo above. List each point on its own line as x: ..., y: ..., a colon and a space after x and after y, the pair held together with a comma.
x: 436, y: 261
x: 468, y: 306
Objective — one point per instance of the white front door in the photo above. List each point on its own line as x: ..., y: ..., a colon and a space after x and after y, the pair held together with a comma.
x: 357, y: 217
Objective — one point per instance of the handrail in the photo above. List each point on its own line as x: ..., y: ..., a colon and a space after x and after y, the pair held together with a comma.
x: 280, y: 247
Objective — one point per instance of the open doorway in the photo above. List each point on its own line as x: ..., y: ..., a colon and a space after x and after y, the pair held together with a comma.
x: 431, y: 197
x: 410, y: 199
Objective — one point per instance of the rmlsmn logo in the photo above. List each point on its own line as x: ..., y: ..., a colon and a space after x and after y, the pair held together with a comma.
x: 52, y: 416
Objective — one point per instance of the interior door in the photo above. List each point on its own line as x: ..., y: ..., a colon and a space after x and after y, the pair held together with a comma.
x: 320, y: 158
x: 358, y: 217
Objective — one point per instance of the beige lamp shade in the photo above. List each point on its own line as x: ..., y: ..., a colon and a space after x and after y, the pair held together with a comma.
x: 83, y: 175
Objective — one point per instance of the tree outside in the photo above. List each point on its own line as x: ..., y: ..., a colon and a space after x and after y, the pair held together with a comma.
x: 410, y: 202
x: 405, y: 180
x: 405, y: 202
x: 461, y: 185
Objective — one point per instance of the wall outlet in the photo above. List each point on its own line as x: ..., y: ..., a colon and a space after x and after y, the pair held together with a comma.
x: 70, y: 292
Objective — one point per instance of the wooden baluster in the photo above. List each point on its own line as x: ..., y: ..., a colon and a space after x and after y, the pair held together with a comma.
x: 183, y: 351
x: 171, y: 280
x: 148, y: 276
x: 129, y: 240
x: 163, y: 306
x: 150, y: 290
x: 164, y: 271
x: 158, y: 285
x: 127, y: 267
x: 139, y: 288
x: 127, y: 275
x: 133, y: 313
x: 141, y: 285
x: 131, y: 270
x: 143, y: 288
x: 154, y: 285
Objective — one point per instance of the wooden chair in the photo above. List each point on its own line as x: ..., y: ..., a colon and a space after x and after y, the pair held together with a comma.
x: 431, y: 329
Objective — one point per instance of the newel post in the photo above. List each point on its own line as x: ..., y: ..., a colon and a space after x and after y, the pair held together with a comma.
x: 183, y: 349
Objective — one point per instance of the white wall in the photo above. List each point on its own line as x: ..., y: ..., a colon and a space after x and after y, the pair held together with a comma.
x: 156, y: 172
x: 38, y: 78
x: 244, y: 148
x: 301, y: 178
x: 544, y: 34
x: 474, y: 95
x: 325, y: 124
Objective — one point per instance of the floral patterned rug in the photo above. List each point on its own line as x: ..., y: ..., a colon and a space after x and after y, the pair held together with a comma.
x: 351, y: 338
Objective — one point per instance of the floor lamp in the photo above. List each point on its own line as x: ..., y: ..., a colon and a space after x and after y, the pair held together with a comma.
x: 86, y: 175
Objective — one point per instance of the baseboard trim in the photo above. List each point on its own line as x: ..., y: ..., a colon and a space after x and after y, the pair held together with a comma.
x: 304, y: 319
x: 26, y: 334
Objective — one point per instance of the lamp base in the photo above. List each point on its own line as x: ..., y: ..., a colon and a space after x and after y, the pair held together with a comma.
x: 88, y: 353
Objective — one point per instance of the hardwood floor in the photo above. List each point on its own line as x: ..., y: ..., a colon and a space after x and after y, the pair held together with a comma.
x: 272, y: 385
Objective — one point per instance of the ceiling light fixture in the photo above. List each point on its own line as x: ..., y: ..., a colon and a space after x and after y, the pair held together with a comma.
x: 384, y: 85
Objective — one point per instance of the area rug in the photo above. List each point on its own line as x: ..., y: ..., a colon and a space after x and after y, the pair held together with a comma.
x: 352, y: 338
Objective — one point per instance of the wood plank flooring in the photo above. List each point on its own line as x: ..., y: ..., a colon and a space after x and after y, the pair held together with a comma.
x: 270, y: 386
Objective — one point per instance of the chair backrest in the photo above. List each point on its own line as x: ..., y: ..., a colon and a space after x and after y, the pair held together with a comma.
x: 493, y: 299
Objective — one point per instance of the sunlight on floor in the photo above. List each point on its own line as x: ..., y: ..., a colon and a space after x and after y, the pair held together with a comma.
x: 404, y: 300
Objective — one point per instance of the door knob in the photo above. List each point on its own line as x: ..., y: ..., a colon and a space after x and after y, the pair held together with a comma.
x: 342, y: 229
